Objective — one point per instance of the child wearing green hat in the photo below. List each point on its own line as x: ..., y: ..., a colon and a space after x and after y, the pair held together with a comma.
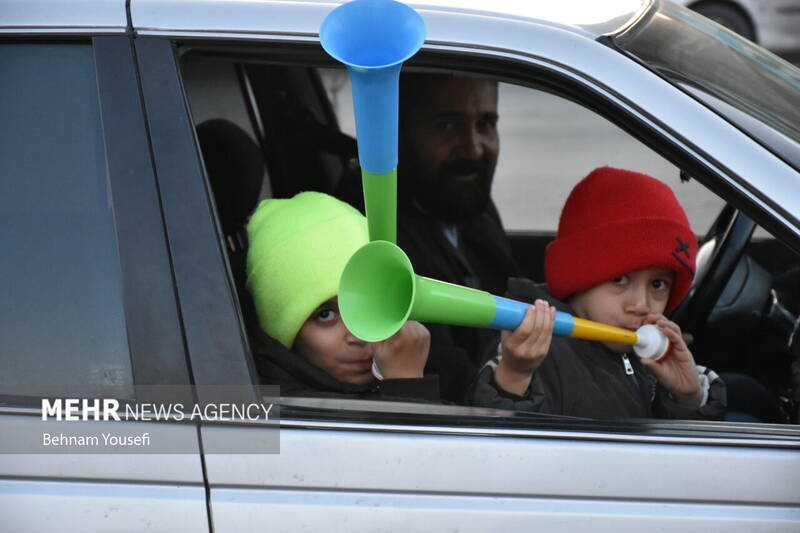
x: 298, y: 248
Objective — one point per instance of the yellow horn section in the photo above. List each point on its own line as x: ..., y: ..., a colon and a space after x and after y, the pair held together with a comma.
x: 586, y: 329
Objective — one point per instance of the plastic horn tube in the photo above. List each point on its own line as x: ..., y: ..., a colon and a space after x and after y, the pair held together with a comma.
x: 373, y: 38
x: 648, y: 341
x: 379, y: 292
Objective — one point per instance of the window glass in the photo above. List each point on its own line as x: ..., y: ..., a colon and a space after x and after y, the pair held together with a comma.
x: 340, y: 93
x: 547, y: 144
x: 61, y: 312
x: 751, y: 335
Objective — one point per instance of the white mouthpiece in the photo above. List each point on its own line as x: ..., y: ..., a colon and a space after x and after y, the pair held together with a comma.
x: 651, y: 343
x: 376, y: 371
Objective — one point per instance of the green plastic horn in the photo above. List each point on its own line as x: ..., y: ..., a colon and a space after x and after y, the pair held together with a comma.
x: 379, y: 292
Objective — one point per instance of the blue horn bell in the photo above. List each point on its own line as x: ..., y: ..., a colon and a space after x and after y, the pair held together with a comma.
x: 373, y: 38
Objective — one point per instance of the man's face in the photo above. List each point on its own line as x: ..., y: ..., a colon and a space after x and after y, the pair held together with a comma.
x: 449, y: 144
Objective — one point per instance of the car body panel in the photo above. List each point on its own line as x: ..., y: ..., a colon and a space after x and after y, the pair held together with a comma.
x: 369, y: 478
x: 181, y: 468
x: 79, y: 507
x: 87, y: 17
x: 241, y: 510
x: 586, y: 466
x: 243, y: 16
x: 102, y: 492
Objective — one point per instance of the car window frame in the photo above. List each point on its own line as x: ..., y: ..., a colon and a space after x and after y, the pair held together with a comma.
x: 211, y: 315
x: 538, y: 74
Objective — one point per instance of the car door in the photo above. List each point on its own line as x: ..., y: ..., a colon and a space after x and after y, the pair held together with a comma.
x: 88, y: 307
x: 352, y: 465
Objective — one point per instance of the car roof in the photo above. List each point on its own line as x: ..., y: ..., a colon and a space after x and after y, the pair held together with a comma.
x: 588, y: 17
x: 60, y: 17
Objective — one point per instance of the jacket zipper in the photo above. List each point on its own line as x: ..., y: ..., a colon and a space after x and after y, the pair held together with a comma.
x: 628, y: 365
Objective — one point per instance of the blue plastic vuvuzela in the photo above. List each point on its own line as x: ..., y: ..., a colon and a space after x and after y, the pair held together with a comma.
x: 373, y: 38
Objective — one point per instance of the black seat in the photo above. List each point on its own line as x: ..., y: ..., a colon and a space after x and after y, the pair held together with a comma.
x: 235, y: 167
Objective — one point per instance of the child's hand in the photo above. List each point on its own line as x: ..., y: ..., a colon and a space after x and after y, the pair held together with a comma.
x: 525, y: 348
x: 404, y: 354
x: 676, y: 370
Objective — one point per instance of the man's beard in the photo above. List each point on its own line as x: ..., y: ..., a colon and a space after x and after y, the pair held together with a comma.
x: 450, y: 198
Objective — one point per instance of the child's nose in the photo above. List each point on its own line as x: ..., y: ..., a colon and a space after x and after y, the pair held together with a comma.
x: 637, y: 300
x: 352, y: 339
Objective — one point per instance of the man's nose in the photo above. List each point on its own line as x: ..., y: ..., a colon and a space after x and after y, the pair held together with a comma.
x: 473, y: 143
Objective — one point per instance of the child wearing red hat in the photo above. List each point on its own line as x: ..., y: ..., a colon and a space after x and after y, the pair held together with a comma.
x: 624, y: 255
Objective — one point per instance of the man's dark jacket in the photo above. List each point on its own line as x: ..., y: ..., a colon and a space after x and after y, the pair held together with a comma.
x: 482, y: 260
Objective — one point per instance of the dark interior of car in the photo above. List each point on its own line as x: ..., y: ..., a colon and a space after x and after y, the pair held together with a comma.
x: 276, y: 134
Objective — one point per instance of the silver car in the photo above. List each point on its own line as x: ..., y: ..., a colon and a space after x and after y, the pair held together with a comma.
x: 137, y: 135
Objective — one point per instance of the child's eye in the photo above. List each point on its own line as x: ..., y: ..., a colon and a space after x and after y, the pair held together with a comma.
x: 326, y: 314
x: 621, y: 280
x: 660, y: 284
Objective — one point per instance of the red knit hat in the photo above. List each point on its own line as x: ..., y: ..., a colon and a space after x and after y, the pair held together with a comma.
x: 616, y: 222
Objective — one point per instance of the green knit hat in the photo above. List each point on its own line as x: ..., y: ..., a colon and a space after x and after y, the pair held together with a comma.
x: 298, y: 249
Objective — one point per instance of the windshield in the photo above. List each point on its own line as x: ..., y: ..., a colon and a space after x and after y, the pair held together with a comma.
x: 752, y: 88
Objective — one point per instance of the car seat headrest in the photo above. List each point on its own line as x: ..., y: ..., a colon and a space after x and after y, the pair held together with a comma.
x: 235, y: 167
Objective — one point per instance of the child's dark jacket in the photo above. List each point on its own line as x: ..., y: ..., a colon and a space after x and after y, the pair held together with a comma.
x: 586, y: 379
x: 297, y: 377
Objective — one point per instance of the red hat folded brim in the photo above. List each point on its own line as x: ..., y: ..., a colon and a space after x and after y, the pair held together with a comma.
x: 584, y: 260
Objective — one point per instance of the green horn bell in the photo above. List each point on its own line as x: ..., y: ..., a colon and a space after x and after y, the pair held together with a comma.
x: 379, y: 291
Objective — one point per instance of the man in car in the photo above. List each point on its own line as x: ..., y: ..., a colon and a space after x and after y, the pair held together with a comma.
x: 447, y: 222
x: 448, y: 152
